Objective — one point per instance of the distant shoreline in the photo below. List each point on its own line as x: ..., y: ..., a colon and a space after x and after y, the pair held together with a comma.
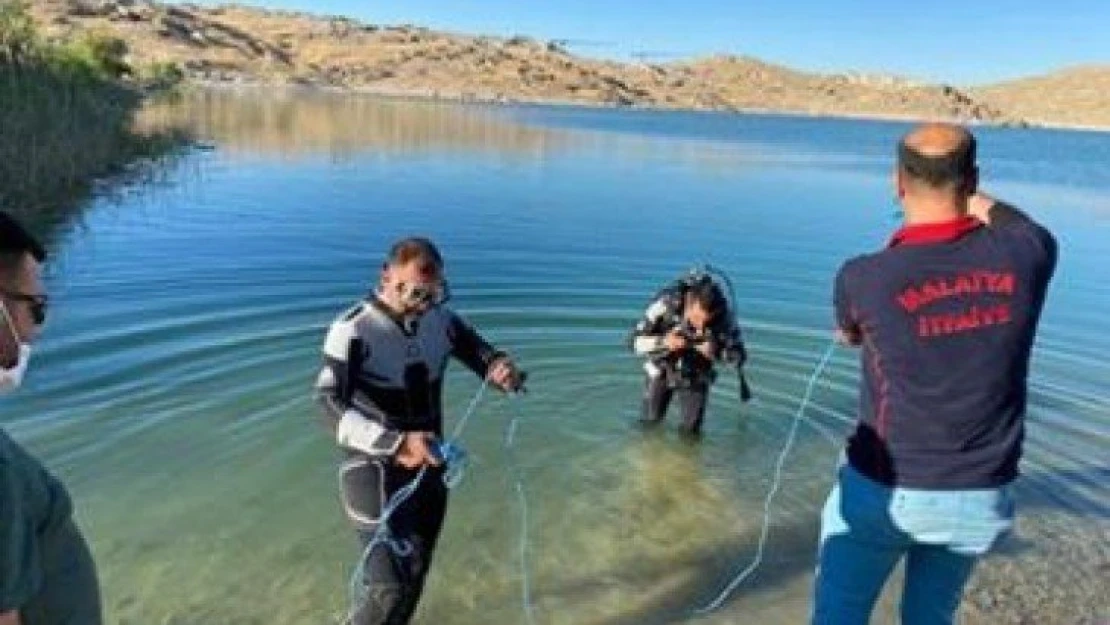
x: 237, y: 44
x: 431, y: 95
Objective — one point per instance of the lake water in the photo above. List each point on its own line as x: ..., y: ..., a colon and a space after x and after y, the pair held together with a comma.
x: 171, y: 388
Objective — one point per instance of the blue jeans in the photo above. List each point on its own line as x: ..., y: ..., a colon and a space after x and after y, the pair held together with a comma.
x: 867, y: 527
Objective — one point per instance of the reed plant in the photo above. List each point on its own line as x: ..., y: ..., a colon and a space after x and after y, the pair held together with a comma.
x: 66, y: 115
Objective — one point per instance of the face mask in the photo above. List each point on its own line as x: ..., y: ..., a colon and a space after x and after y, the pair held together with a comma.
x: 423, y: 295
x: 11, y: 379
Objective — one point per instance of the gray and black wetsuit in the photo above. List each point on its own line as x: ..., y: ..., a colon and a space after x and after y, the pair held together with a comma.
x: 688, y: 372
x: 383, y: 376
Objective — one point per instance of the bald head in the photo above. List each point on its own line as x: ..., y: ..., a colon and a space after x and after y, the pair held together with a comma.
x: 937, y: 139
x: 939, y: 158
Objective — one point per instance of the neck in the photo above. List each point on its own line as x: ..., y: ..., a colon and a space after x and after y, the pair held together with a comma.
x: 933, y: 209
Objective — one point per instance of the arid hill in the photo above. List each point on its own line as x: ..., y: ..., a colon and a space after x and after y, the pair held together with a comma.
x: 238, y: 44
x: 1078, y: 96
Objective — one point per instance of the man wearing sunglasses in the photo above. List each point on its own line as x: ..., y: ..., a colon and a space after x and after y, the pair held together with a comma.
x: 381, y: 388
x: 47, y: 575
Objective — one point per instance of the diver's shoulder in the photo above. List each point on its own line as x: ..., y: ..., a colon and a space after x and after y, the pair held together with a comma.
x: 356, y: 319
x: 355, y: 314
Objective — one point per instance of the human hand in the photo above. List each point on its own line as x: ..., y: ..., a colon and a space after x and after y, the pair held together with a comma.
x: 849, y: 337
x: 979, y: 206
x: 675, y: 341
x: 415, y: 451
x: 504, y: 375
x: 707, y: 348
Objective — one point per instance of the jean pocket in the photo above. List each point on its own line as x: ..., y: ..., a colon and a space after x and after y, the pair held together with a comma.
x: 926, y: 517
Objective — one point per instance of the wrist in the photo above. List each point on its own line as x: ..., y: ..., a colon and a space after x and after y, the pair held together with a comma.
x: 494, y: 358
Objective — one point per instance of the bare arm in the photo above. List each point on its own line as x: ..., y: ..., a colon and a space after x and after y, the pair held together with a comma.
x: 10, y: 618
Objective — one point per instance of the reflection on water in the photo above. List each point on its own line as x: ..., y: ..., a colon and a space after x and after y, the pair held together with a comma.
x: 291, y: 123
x: 172, y: 386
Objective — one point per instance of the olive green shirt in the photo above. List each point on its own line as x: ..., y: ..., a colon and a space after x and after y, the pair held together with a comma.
x: 46, y: 571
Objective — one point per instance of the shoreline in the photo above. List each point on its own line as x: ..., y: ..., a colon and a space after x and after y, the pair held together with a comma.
x: 498, y: 99
x: 239, y: 45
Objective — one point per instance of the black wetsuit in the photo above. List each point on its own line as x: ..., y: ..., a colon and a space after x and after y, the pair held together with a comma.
x: 689, y: 372
x: 386, y: 376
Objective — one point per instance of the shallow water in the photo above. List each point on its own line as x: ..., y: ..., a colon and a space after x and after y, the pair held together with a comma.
x: 172, y: 386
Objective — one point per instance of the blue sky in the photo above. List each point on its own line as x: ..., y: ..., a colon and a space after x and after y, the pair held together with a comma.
x: 959, y: 41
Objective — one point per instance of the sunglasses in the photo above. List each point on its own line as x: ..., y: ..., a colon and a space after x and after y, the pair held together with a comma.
x: 35, y: 303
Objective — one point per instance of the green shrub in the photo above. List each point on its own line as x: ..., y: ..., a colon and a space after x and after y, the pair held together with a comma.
x: 18, y: 37
x: 66, y: 117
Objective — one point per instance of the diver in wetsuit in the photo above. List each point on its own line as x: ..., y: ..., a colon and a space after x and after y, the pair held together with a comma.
x: 686, y: 329
x: 381, y: 389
